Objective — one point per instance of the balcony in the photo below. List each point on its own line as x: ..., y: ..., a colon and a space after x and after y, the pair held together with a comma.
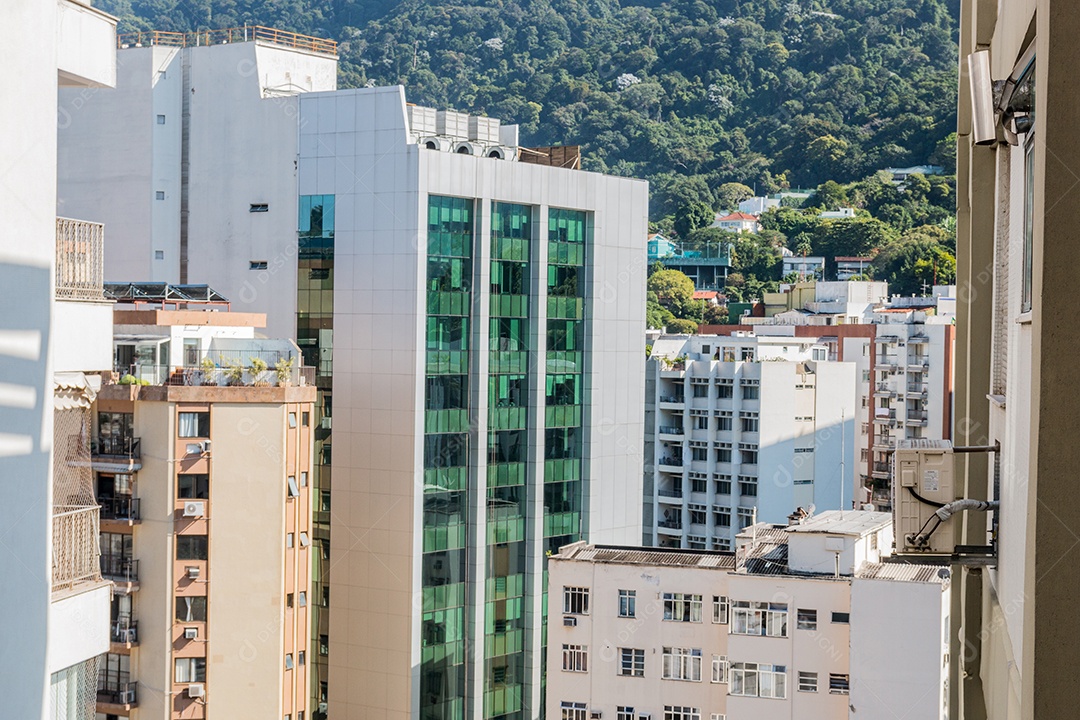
x: 884, y: 442
x: 120, y: 569
x: 918, y: 339
x: 670, y: 430
x: 882, y: 470
x: 886, y: 363
x: 116, y: 692
x: 80, y: 258
x: 886, y: 339
x: 247, y: 33
x: 124, y: 508
x: 917, y: 418
x: 885, y: 416
x: 669, y: 524
x: 75, y: 547
x: 253, y: 368
x: 672, y: 400
x: 917, y: 390
x: 918, y: 365
x: 116, y: 454
x: 670, y: 462
x: 123, y: 632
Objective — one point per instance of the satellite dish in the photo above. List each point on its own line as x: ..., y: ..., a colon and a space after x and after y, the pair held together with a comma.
x: 810, y: 510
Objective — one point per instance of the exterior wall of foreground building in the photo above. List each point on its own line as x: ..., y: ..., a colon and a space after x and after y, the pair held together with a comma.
x: 1015, y: 244
x: 488, y: 389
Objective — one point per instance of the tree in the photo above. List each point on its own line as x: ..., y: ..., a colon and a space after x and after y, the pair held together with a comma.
x: 715, y: 314
x: 729, y: 195
x: 679, y: 326
x: 675, y: 291
x: 830, y: 195
x: 691, y: 216
x: 909, y: 262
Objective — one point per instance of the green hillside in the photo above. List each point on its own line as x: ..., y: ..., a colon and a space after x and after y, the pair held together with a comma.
x: 687, y: 93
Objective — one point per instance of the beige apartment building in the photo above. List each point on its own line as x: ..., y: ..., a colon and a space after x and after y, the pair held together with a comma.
x: 1017, y: 215
x: 808, y: 620
x: 202, y: 451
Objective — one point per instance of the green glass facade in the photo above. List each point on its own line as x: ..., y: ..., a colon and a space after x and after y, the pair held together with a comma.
x: 450, y: 235
x: 507, y: 461
x: 315, y: 334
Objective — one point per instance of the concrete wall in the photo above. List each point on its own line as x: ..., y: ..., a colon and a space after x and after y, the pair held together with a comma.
x: 79, y: 625
x: 86, y: 331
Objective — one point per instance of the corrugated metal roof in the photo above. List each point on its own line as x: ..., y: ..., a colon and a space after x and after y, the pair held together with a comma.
x: 647, y: 556
x: 905, y: 572
x: 843, y: 522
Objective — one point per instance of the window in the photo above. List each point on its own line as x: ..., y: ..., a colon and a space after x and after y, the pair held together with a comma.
x: 720, y: 608
x: 680, y: 607
x: 723, y: 422
x: 723, y: 454
x: 575, y: 601
x: 759, y: 618
x: 748, y: 454
x: 1029, y: 223
x: 699, y: 454
x: 302, y: 598
x: 301, y: 658
x: 701, y: 390
x: 721, y: 517
x: 806, y: 619
x: 680, y: 712
x: 193, y: 487
x: 628, y: 603
x: 717, y: 716
x: 719, y: 669
x: 573, y: 711
x: 292, y: 419
x: 305, y: 418
x: 721, y: 544
x: 754, y: 680
x: 159, y: 194
x: 750, y: 392
x: 191, y: 609
x: 288, y: 661
x: 807, y: 681
x: 190, y: 547
x: 682, y: 664
x: 624, y: 712
x: 258, y: 265
x: 632, y: 662
x: 724, y: 392
x: 702, y: 422
x: 194, y: 424
x: 698, y: 515
x: 289, y: 600
x: 289, y: 540
x: 324, y: 500
x: 190, y: 670
x: 326, y: 597
x: 259, y: 207
x: 723, y: 484
x: 749, y: 423
x: 699, y: 484
x: 839, y: 684
x: 839, y: 617
x: 746, y: 516
x: 747, y: 486
x: 575, y: 658
x: 294, y: 489
x: 160, y: 119
x: 159, y: 254
x: 303, y: 479
x: 324, y: 644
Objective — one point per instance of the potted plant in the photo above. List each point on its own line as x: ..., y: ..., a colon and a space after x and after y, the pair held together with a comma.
x: 234, y: 372
x: 283, y: 368
x: 209, y: 371
x: 258, y: 367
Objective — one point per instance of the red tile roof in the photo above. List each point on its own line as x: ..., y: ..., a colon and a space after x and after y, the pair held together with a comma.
x: 738, y: 216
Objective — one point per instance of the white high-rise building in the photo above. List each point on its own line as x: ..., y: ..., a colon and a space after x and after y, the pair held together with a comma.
x: 746, y: 424
x: 55, y: 616
x: 807, y: 621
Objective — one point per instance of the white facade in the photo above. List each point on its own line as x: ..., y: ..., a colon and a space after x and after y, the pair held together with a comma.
x: 744, y: 425
x: 810, y: 266
x: 665, y: 630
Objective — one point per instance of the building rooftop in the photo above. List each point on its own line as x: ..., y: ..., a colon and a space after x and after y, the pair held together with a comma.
x: 674, y: 557
x: 843, y: 522
x: 903, y: 572
x: 247, y: 33
x: 164, y: 293
x: 747, y: 217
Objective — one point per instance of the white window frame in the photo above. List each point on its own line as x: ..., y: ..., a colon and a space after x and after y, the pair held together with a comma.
x: 839, y: 684
x: 682, y: 607
x: 721, y: 609
x: 631, y: 662
x: 625, y: 712
x: 758, y: 680
x: 575, y: 600
x: 681, y: 712
x: 805, y: 619
x: 759, y: 618
x: 187, y: 670
x: 574, y: 711
x: 808, y: 681
x: 719, y: 668
x: 575, y: 658
x: 627, y: 603
x: 682, y: 664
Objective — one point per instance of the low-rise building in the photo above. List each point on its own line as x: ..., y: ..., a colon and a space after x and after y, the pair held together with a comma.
x: 808, y: 267
x: 737, y: 222
x: 849, y: 267
x: 807, y: 620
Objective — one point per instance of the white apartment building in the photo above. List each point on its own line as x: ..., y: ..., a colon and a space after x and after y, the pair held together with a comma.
x: 55, y: 618
x: 805, y: 621
x: 746, y: 424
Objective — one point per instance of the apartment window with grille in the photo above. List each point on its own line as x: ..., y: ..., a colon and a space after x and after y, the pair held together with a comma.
x: 632, y: 662
x: 681, y: 607
x: 806, y: 619
x: 719, y: 669
x: 759, y: 618
x: 573, y: 711
x: 701, y: 423
x: 682, y: 664
x: 699, y: 454
x: 624, y: 712
x: 575, y: 600
x: 724, y: 392
x: 698, y: 515
x: 720, y: 607
x: 722, y: 517
x: 575, y: 658
x: 699, y: 484
x: 189, y: 670
x: 701, y: 390
x: 746, y: 516
x: 757, y: 680
x: 627, y: 603
x: 749, y: 422
x: 839, y: 684
x: 723, y: 484
x: 841, y: 617
x: 747, y: 486
x: 751, y: 392
x: 807, y: 681
x: 681, y: 712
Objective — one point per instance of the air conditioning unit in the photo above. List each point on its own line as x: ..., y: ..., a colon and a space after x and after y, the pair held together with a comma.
x: 191, y: 633
x: 127, y: 697
x: 435, y: 142
x: 193, y: 448
x: 194, y: 508
x: 923, y: 480
x: 196, y: 690
x: 193, y: 572
x: 569, y: 621
x: 205, y: 444
x: 501, y: 152
x: 468, y: 148
x: 595, y: 714
x: 129, y: 635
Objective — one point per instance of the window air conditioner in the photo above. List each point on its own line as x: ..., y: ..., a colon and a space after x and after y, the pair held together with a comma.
x: 193, y: 572
x: 128, y: 635
x: 127, y: 697
x: 191, y: 633
x: 194, y: 509
x: 205, y: 445
x: 569, y: 621
x: 196, y: 690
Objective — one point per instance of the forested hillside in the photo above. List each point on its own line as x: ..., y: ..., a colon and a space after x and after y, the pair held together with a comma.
x: 690, y: 94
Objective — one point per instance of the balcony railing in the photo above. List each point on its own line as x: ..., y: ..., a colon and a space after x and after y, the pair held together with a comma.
x: 227, y: 35
x: 677, y: 493
x: 670, y: 430
x: 239, y: 374
x: 672, y: 462
x: 80, y: 259
x: 75, y: 547
x: 116, y: 688
x: 882, y: 467
x: 120, y: 508
x: 918, y: 418
x: 676, y: 399
x: 117, y: 446
x: 670, y: 524
x: 120, y: 568
x: 124, y: 630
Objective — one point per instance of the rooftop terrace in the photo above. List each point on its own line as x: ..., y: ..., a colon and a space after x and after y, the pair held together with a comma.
x: 247, y: 33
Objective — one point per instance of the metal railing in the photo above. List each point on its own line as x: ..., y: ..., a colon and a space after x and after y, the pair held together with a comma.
x: 223, y: 36
x: 670, y: 524
x: 916, y: 416
x: 677, y: 399
x: 80, y: 259
x: 233, y: 376
x: 120, y: 567
x: 670, y: 493
x: 75, y: 547
x: 124, y: 630
x: 673, y: 462
x: 120, y: 508
x: 882, y: 467
x: 670, y: 430
x: 115, y: 687
x: 122, y: 446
